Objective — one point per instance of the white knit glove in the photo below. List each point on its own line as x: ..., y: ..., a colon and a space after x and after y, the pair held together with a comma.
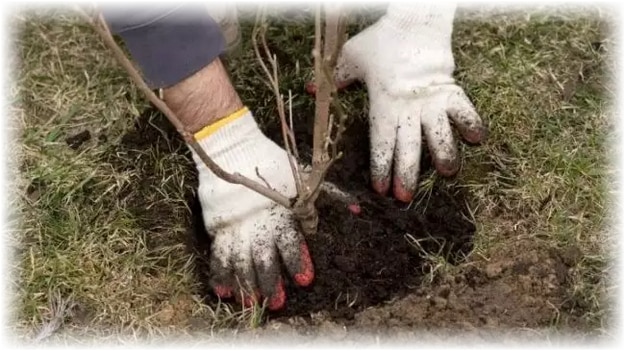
x: 405, y: 59
x: 249, y: 231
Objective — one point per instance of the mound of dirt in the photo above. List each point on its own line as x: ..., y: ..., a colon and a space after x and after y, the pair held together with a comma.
x: 510, y: 291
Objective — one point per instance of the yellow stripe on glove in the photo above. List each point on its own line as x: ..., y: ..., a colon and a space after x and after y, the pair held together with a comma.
x: 212, y: 128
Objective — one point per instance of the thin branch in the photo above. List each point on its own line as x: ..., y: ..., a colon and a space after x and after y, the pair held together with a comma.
x: 262, y: 178
x: 291, y: 118
x: 102, y: 29
x: 325, y: 61
x: 321, y: 97
x: 261, y: 30
x: 256, y: 30
x: 276, y: 83
x: 329, y: 140
x: 336, y: 34
x: 338, y: 108
x: 287, y: 136
x: 334, y: 191
x: 322, y: 174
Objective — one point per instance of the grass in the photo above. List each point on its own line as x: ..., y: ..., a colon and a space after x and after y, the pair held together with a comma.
x: 543, y: 89
x: 538, y: 81
x: 79, y: 237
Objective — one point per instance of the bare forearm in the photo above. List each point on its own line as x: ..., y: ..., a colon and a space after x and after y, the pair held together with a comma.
x: 204, y: 97
x: 177, y: 47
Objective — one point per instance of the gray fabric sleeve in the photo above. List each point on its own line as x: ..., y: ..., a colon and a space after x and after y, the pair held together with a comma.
x: 168, y: 42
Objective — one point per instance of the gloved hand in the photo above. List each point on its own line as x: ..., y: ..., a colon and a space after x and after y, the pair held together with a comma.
x: 250, y: 232
x: 406, y: 62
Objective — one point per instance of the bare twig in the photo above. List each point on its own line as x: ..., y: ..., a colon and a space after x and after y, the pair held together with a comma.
x: 291, y: 117
x: 101, y: 28
x: 273, y: 81
x: 261, y: 30
x: 325, y: 61
x: 311, y: 179
x: 338, y: 194
x: 322, y: 97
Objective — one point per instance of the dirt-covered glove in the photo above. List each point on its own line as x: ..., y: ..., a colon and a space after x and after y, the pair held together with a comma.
x: 250, y: 232
x: 406, y: 62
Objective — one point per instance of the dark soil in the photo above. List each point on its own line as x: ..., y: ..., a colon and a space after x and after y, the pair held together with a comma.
x: 360, y: 260
x: 368, y: 276
x: 364, y: 260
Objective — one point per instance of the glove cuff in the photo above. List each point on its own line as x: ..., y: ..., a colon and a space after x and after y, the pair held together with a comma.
x: 420, y: 17
x: 231, y: 141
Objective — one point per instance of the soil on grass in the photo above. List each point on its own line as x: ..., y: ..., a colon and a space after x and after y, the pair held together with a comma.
x: 370, y: 275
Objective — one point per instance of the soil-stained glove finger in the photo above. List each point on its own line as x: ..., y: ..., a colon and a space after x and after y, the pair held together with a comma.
x: 383, y: 132
x: 440, y: 140
x: 221, y: 271
x: 245, y: 225
x: 466, y: 119
x: 245, y: 275
x: 295, y: 254
x: 267, y: 263
x: 407, y: 156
